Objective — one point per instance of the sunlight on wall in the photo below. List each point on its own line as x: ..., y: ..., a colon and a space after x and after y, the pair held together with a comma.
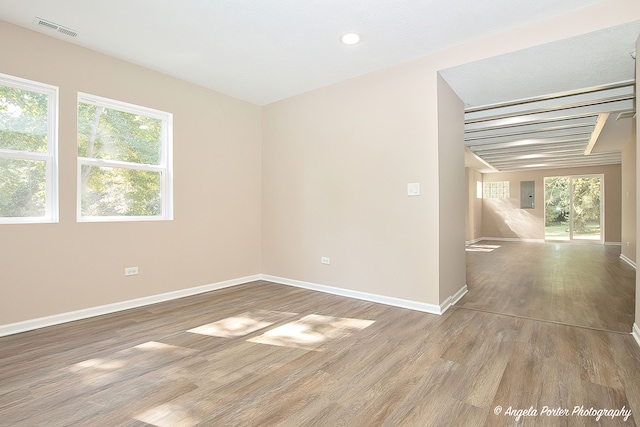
x: 509, y: 217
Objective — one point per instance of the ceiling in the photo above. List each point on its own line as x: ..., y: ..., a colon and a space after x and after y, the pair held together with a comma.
x: 262, y: 52
x: 539, y: 108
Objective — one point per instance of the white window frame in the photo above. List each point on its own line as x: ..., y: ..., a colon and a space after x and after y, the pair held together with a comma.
x: 165, y: 168
x: 50, y: 158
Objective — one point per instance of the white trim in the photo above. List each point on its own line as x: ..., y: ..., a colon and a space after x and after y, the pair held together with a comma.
x: 628, y: 260
x: 453, y: 299
x: 471, y: 242
x: 126, y: 107
x: 164, y: 167
x: 56, y: 319
x: 636, y: 333
x: 513, y: 239
x: 613, y: 243
x: 366, y: 296
x: 50, y: 159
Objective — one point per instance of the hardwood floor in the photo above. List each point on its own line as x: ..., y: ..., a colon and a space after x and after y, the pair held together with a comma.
x: 262, y: 354
x: 575, y: 284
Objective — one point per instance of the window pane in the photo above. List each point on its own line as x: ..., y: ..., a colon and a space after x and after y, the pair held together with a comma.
x: 109, y: 134
x: 22, y: 188
x: 23, y: 120
x: 120, y: 192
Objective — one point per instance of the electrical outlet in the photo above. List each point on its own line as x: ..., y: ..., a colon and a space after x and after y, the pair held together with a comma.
x: 325, y: 260
x: 131, y: 271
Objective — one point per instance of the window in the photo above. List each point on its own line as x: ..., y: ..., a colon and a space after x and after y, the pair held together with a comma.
x: 28, y: 162
x: 124, y: 161
x: 496, y: 190
x: 478, y: 190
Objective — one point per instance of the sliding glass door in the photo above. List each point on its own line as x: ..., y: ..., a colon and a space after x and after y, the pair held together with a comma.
x: 573, y: 208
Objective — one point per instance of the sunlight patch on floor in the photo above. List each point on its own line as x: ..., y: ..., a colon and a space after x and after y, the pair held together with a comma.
x: 98, y: 372
x: 167, y: 415
x: 311, y: 331
x: 481, y: 248
x: 242, y: 324
x: 102, y: 371
x: 101, y: 364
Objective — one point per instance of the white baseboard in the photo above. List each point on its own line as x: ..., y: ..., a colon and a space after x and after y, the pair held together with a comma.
x: 513, y: 239
x: 636, y: 333
x: 453, y: 299
x: 56, y: 319
x: 471, y: 242
x: 392, y: 301
x: 628, y: 260
x: 613, y: 243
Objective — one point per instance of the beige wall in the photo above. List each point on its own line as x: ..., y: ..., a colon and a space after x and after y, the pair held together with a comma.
x: 452, y: 201
x: 504, y: 219
x: 54, y: 268
x: 628, y: 225
x: 320, y: 174
x: 637, y: 323
x: 336, y: 166
x: 473, y: 211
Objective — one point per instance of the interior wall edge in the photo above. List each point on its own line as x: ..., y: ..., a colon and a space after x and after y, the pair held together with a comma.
x: 636, y: 333
x: 453, y: 299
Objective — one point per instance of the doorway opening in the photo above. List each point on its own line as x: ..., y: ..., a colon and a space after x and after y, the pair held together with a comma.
x: 573, y: 208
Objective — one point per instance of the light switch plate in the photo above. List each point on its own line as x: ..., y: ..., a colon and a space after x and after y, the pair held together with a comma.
x: 413, y: 189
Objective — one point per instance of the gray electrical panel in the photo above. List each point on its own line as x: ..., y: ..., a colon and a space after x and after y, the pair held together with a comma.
x: 527, y: 194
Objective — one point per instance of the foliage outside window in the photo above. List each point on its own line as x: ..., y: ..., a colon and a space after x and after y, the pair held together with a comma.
x: 496, y: 190
x: 124, y: 161
x: 28, y: 135
x: 583, y: 193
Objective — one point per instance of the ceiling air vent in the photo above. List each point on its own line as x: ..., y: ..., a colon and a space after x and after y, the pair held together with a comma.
x: 55, y: 27
x: 626, y: 115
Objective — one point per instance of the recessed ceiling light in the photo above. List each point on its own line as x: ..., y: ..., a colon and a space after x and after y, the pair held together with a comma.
x: 350, y: 38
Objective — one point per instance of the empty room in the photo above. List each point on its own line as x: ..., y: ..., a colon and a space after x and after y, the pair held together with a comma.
x: 318, y: 213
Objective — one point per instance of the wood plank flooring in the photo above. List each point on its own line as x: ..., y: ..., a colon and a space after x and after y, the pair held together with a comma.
x: 575, y: 284
x: 263, y: 354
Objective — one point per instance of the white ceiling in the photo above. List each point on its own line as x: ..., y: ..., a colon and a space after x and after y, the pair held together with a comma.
x: 263, y: 51
x: 595, y: 59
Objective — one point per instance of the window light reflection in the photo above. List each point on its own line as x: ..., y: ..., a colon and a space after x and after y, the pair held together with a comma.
x: 242, y: 324
x: 311, y: 331
x: 481, y: 248
x: 167, y: 415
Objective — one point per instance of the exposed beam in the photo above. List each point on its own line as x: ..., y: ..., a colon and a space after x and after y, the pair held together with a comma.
x: 602, y: 120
